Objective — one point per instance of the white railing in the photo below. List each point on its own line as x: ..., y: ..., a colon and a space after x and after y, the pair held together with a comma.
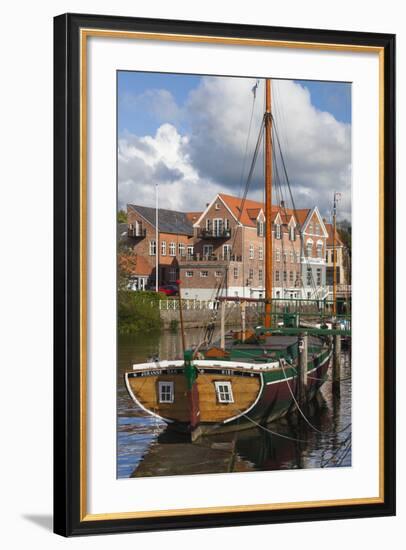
x: 193, y: 305
x: 341, y: 289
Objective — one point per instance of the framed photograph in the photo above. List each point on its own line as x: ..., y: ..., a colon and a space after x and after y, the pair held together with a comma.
x: 224, y: 274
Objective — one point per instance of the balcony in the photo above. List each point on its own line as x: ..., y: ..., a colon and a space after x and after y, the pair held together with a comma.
x: 136, y: 232
x: 214, y: 233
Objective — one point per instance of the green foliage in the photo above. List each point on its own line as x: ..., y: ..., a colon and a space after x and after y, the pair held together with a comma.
x: 122, y: 216
x: 138, y: 311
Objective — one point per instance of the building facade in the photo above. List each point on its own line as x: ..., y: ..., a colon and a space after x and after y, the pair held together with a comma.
x: 313, y: 253
x: 162, y: 249
x: 338, y: 248
x: 229, y: 252
x: 221, y: 251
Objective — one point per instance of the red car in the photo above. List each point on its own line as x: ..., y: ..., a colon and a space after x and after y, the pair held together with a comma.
x: 169, y: 290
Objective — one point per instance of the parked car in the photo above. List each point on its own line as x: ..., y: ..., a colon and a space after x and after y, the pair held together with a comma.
x: 169, y: 290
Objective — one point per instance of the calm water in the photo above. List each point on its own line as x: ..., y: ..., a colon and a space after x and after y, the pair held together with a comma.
x: 288, y: 443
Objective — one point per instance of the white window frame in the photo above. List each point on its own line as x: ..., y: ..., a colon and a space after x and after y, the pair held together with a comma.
x: 277, y: 275
x: 251, y: 274
x: 277, y: 231
x: 260, y: 228
x: 221, y: 394
x: 218, y: 226
x: 171, y: 386
x: 152, y: 247
x: 189, y: 273
x: 235, y: 272
x: 207, y: 247
x: 182, y: 249
x: 261, y: 252
x: 172, y: 249
x: 292, y: 233
x: 319, y: 249
x: 218, y: 273
x: 251, y: 251
x: 204, y: 274
x: 278, y: 255
x: 226, y: 224
x: 227, y: 251
x: 163, y: 248
x: 190, y: 250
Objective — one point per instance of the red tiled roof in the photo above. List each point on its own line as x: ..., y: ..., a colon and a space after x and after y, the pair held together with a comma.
x: 338, y: 241
x: 251, y: 210
x: 253, y: 213
x: 193, y: 216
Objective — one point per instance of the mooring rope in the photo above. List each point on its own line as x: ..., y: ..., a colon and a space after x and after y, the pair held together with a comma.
x: 302, y: 413
x: 271, y: 431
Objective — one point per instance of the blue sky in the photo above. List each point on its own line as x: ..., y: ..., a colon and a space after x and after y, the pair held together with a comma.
x: 187, y: 132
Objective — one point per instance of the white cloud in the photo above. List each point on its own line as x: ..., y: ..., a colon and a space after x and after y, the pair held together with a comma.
x: 163, y: 160
x: 191, y: 169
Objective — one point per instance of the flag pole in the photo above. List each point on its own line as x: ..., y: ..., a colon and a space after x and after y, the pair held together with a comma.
x: 156, y: 240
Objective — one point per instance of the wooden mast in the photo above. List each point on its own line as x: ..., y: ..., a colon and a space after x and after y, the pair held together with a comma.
x: 268, y: 205
x: 334, y: 258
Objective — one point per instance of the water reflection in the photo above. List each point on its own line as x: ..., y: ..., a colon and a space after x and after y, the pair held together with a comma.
x: 146, y: 448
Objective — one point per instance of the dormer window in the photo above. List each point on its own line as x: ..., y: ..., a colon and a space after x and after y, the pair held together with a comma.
x: 278, y: 231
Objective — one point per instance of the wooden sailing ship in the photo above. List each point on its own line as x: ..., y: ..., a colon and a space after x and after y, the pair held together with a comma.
x: 249, y: 378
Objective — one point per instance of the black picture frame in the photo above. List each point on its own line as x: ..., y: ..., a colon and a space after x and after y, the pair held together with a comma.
x: 67, y: 346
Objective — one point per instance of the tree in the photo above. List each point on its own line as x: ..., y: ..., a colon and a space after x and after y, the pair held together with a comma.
x: 122, y: 216
x: 127, y: 266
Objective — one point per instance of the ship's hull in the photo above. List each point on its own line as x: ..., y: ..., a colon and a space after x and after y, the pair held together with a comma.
x: 260, y: 393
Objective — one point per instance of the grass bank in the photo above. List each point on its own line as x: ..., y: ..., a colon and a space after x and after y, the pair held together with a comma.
x: 138, y: 311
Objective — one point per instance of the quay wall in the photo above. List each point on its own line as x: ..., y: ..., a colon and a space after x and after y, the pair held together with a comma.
x: 199, y: 318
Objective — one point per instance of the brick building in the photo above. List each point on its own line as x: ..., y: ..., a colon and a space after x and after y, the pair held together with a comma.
x: 340, y: 252
x: 313, y: 253
x: 175, y: 242
x: 229, y: 251
x: 224, y: 247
